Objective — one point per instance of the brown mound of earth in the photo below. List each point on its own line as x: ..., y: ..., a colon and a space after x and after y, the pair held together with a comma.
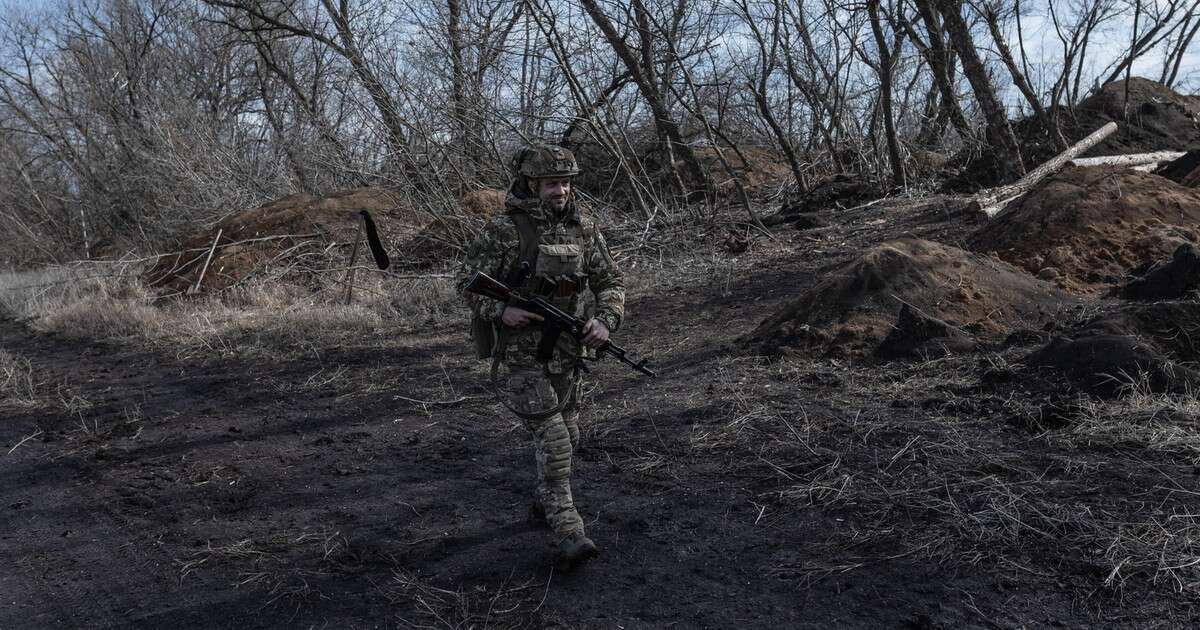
x: 1160, y: 119
x: 444, y: 239
x: 761, y: 168
x: 275, y: 233
x: 853, y: 309
x: 316, y: 234
x: 1086, y: 228
x: 1156, y: 346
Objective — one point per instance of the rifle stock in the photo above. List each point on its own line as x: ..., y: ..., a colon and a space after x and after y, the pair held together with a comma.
x: 482, y: 284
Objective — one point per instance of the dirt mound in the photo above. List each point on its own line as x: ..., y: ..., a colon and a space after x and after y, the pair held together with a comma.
x: 854, y: 308
x: 1160, y: 119
x: 276, y: 233
x: 919, y: 336
x: 482, y: 203
x: 1184, y: 171
x: 316, y: 234
x: 1092, y: 225
x: 447, y: 236
x: 1153, y: 345
x: 1106, y: 365
x: 757, y: 168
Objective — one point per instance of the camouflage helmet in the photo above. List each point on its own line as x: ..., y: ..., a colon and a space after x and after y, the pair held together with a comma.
x: 545, y: 160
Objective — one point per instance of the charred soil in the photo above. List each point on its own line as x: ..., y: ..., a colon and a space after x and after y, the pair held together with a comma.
x: 379, y: 485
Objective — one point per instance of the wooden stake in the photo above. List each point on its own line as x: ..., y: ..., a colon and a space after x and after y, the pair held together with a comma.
x: 203, y: 270
x: 353, y: 259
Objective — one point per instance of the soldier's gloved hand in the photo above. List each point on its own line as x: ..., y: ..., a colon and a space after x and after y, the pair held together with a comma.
x: 514, y: 317
x: 595, y: 333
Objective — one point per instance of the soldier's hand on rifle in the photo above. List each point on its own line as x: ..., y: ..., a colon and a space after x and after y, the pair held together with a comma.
x: 514, y: 317
x: 595, y: 333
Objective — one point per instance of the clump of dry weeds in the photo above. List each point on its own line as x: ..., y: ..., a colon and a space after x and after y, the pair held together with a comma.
x: 287, y: 566
x: 1139, y: 419
x: 508, y: 605
x: 17, y: 385
x: 262, y: 317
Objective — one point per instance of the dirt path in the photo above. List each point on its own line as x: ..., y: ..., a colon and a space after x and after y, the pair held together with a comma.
x: 305, y: 494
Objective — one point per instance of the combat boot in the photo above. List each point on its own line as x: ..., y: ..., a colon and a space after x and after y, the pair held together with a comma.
x: 575, y: 550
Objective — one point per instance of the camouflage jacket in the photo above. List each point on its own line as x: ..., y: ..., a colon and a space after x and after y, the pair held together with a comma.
x: 496, y: 251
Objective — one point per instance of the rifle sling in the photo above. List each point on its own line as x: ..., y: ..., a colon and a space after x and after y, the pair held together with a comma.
x: 534, y: 416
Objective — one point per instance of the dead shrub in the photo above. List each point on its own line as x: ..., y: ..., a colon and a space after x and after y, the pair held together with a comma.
x: 17, y: 385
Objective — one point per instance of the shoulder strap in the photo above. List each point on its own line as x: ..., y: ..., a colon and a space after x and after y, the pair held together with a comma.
x: 528, y: 249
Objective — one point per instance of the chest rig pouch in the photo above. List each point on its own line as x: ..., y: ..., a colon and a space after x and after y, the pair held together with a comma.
x: 550, y: 266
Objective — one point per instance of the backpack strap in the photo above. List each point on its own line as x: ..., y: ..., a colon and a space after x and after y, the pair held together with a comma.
x: 527, y: 251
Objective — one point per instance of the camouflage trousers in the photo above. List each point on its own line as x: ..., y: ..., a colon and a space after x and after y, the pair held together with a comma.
x: 531, y: 390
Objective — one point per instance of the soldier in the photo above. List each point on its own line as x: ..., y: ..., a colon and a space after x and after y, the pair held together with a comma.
x: 544, y: 245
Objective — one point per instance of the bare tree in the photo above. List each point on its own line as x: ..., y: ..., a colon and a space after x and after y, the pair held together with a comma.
x: 643, y: 69
x: 885, y: 67
x: 999, y: 132
x: 758, y: 82
x: 992, y: 17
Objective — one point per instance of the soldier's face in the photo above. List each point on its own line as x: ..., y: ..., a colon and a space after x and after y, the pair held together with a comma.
x: 554, y: 191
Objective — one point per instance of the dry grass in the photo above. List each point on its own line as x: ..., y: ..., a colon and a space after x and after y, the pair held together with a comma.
x: 508, y: 605
x: 287, y: 567
x: 263, y: 318
x: 17, y: 385
x: 1140, y: 419
x: 22, y: 388
x: 954, y: 486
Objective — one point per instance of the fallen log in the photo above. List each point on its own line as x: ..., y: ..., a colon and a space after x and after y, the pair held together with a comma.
x: 1131, y: 159
x: 990, y: 202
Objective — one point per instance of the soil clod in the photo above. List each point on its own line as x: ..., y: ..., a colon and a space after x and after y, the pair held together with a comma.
x: 1151, y: 346
x: 1168, y: 280
x: 1107, y: 364
x: 1184, y: 171
x: 917, y: 335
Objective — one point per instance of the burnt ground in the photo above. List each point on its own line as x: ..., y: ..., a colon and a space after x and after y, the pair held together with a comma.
x: 378, y: 486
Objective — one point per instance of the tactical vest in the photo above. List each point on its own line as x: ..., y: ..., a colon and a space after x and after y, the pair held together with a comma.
x: 550, y: 265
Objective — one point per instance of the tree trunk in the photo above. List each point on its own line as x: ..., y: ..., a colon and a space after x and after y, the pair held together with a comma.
x: 459, y: 110
x: 663, y: 120
x: 992, y: 202
x: 993, y: 21
x: 999, y: 131
x: 940, y: 65
x: 388, y: 112
x: 886, y: 60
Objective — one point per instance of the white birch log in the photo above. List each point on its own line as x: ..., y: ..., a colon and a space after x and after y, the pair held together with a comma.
x: 1131, y: 159
x: 992, y: 201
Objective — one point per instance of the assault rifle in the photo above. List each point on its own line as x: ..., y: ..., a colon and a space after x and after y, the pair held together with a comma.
x: 554, y: 320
